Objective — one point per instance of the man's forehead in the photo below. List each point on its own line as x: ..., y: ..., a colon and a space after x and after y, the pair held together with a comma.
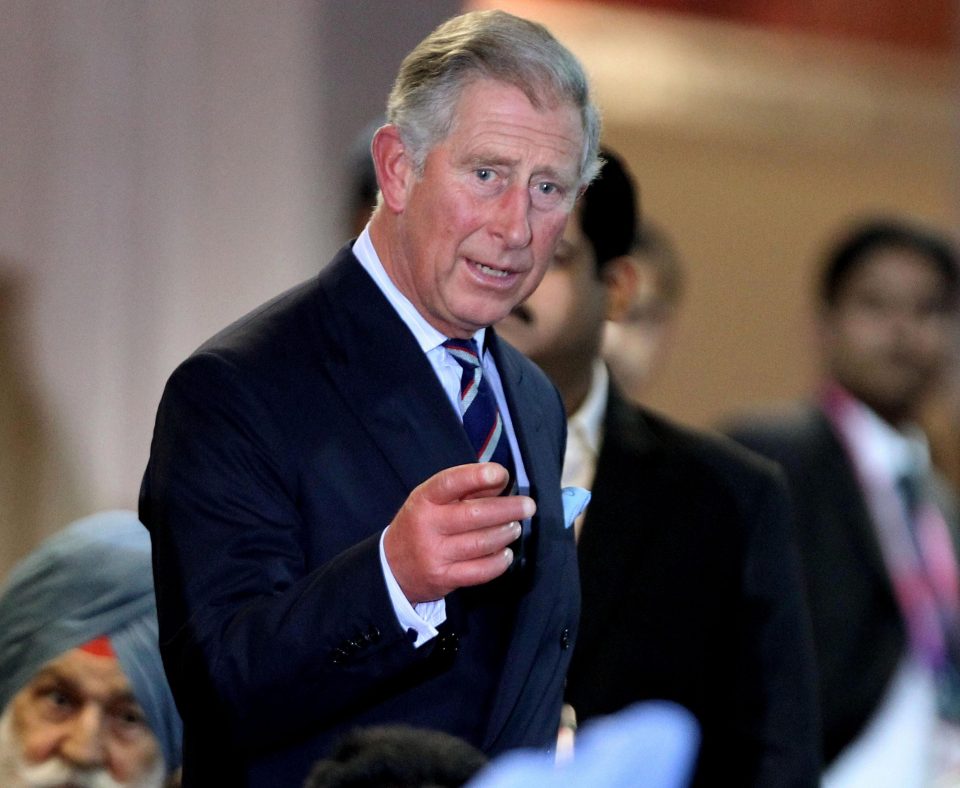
x: 495, y: 118
x: 96, y: 673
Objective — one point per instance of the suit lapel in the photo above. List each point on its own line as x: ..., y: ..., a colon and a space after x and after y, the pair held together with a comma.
x: 630, y: 466
x: 385, y: 379
x: 541, y: 459
x: 838, y: 473
x: 629, y: 454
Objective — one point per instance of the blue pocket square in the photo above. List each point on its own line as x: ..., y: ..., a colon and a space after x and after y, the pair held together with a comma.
x: 575, y: 500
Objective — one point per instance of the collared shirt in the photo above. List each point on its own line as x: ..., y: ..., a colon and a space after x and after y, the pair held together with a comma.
x: 896, y: 747
x: 585, y: 431
x: 881, y: 452
x: 425, y: 617
x: 585, y: 434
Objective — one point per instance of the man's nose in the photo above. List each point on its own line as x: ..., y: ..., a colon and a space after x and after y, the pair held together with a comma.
x: 512, y: 221
x: 84, y: 743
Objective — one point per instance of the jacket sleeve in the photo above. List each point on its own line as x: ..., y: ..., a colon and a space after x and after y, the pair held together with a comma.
x: 251, y: 635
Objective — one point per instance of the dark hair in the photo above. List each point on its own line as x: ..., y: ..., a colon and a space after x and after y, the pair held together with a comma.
x: 397, y: 756
x: 608, y: 210
x: 360, y: 170
x: 867, y: 238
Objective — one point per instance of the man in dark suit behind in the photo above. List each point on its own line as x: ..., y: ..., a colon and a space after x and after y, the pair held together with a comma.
x: 887, y: 300
x: 690, y: 579
x: 329, y: 553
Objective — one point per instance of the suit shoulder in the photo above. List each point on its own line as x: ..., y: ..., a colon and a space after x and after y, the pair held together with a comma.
x: 264, y: 325
x: 279, y: 337
x: 712, y: 451
x: 783, y: 433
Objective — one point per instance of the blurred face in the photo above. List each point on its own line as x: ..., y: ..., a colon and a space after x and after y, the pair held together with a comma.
x: 887, y: 337
x: 77, y: 724
x: 634, y: 344
x: 478, y: 228
x: 559, y: 326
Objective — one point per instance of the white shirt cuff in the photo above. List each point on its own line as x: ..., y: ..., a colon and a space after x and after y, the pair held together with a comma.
x: 423, y: 618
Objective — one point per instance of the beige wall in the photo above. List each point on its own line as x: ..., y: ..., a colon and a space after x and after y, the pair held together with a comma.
x: 752, y: 148
x: 164, y: 167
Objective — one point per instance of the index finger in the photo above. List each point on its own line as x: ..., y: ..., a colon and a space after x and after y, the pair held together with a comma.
x: 474, y: 480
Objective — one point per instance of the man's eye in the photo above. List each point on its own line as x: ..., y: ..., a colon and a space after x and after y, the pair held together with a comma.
x: 57, y: 697
x: 131, y: 716
x: 484, y: 174
x: 128, y: 724
x: 56, y: 703
x: 547, y: 194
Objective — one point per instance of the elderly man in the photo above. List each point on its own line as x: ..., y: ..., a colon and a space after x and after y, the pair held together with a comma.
x: 331, y: 545
x: 84, y: 698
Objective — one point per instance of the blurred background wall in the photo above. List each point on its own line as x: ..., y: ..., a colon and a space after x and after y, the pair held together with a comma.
x: 164, y: 167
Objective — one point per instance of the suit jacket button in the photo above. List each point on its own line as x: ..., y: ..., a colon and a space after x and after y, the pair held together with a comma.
x: 448, y: 644
x: 565, y: 638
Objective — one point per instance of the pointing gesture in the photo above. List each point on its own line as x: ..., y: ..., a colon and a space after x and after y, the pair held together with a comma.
x: 454, y: 530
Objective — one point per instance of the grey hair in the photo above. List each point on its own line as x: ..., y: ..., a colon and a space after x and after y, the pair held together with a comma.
x: 491, y: 45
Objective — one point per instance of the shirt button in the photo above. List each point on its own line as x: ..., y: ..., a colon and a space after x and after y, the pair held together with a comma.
x: 565, y: 638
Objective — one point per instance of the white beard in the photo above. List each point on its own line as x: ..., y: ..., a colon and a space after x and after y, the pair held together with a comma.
x: 56, y: 772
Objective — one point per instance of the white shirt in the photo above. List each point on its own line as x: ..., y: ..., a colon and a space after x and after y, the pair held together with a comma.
x: 584, y: 436
x: 895, y: 750
x: 425, y: 617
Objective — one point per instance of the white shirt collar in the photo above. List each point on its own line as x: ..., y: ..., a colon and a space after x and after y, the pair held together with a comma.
x: 879, y: 449
x: 426, y: 335
x: 588, y: 420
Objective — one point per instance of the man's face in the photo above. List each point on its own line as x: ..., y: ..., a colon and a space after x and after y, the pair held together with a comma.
x: 479, y: 227
x: 559, y: 326
x: 77, y: 724
x: 635, y: 344
x: 887, y: 336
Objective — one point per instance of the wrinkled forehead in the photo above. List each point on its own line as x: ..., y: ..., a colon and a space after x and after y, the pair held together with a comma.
x: 494, y: 112
x: 92, y: 672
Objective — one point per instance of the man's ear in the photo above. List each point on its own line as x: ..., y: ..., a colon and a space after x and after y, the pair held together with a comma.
x: 393, y: 166
x: 621, y: 279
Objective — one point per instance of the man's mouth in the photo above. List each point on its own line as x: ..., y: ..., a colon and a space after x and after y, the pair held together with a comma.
x: 486, y: 269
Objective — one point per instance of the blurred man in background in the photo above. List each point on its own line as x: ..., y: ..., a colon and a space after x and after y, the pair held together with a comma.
x: 637, y: 342
x: 876, y: 525
x: 690, y: 579
x: 84, y: 699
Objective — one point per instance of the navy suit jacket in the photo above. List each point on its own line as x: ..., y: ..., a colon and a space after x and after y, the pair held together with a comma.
x: 692, y: 593
x: 859, y: 635
x: 282, y: 448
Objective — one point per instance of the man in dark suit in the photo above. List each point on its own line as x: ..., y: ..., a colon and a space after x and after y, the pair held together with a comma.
x: 886, y: 299
x: 690, y: 580
x: 331, y: 546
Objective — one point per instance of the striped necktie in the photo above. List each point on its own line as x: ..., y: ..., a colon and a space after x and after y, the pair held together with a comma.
x: 478, y: 406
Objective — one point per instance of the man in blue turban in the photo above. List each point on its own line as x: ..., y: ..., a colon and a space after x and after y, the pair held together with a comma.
x: 83, y: 697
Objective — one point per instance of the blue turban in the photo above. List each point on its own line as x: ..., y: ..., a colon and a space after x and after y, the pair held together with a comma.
x: 92, y: 579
